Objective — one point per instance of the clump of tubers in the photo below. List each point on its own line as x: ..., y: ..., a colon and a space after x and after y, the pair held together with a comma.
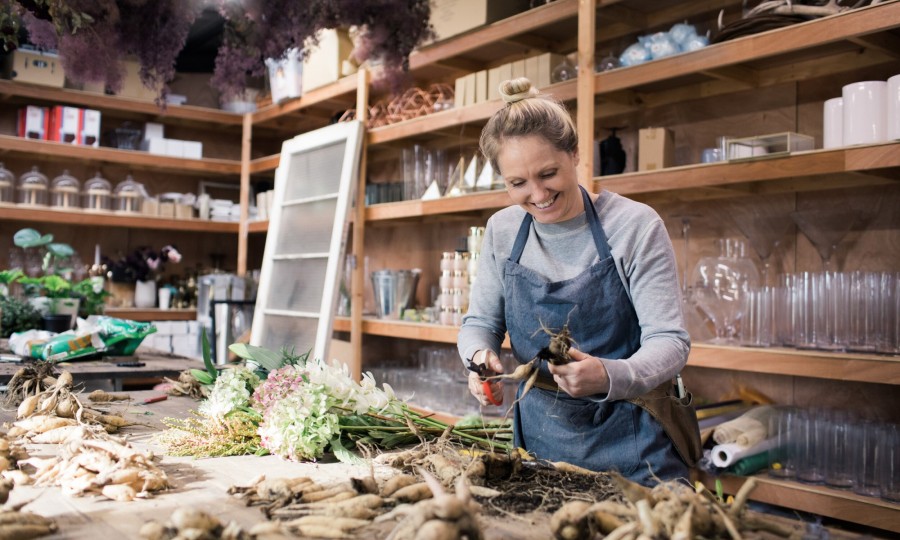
x: 106, y: 466
x: 187, y: 385
x: 197, y: 524
x: 668, y: 510
x: 443, y: 516
x: 24, y: 525
x: 29, y: 381
x: 99, y: 396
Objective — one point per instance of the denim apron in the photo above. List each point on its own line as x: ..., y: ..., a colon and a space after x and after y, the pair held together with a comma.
x: 552, y: 425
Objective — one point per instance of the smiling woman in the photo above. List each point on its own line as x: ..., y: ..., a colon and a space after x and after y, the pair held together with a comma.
x: 600, y: 266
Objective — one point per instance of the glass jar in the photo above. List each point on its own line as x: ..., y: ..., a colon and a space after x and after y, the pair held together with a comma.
x: 721, y: 286
x: 7, y: 185
x: 97, y: 194
x: 447, y: 261
x: 33, y: 187
x: 64, y: 191
x: 129, y: 195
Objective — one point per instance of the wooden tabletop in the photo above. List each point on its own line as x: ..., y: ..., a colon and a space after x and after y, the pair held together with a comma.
x: 155, y: 366
x: 201, y: 483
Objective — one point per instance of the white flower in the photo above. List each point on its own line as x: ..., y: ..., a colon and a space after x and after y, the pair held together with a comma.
x: 232, y: 389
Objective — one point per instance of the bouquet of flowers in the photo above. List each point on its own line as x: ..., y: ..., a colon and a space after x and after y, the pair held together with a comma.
x: 301, y: 409
x: 143, y: 264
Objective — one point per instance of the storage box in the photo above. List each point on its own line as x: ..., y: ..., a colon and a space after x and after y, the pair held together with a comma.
x: 452, y: 17
x: 65, y: 124
x: 154, y: 146
x: 496, y: 76
x: 34, y: 122
x: 480, y: 86
x: 656, y: 149
x: 192, y: 149
x: 174, y: 148
x: 154, y: 130
x: 773, y: 145
x: 90, y: 129
x: 323, y: 64
x: 132, y: 87
x: 31, y: 66
x: 543, y: 76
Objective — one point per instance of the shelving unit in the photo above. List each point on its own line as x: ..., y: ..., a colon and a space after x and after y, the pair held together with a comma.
x: 821, y: 500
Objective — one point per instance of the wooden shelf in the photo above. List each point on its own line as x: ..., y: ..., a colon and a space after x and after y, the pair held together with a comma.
x: 13, y: 212
x: 340, y: 94
x: 453, y: 118
x: 260, y: 226
x: 448, y: 205
x: 264, y: 164
x: 494, y: 41
x: 183, y: 113
x: 146, y: 315
x: 821, y: 500
x: 796, y: 172
x: 133, y: 159
x: 869, y: 368
x: 831, y: 44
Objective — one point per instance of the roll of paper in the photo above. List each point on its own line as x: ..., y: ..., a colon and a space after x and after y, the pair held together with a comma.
x: 724, y: 455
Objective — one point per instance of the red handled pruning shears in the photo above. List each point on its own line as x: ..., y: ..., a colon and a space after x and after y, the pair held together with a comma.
x: 482, y: 371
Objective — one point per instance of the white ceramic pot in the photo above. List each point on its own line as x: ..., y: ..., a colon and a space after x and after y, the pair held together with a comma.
x: 893, y: 108
x: 865, y: 114
x: 833, y: 123
x: 145, y: 294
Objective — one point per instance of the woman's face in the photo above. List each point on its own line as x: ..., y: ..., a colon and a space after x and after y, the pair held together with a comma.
x: 540, y: 178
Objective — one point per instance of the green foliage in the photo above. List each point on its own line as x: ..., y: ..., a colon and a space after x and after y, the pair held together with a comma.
x: 51, y: 286
x: 8, y: 277
x: 263, y: 361
x: 93, y: 297
x: 208, y: 377
x: 17, y: 316
x: 54, y: 252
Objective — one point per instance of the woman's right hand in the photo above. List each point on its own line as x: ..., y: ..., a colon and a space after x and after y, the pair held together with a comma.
x: 492, y: 367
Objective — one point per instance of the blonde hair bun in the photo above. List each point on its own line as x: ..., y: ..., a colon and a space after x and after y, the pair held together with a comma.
x: 515, y: 90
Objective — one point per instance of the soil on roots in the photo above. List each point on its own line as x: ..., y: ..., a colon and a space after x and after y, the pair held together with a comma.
x: 541, y: 488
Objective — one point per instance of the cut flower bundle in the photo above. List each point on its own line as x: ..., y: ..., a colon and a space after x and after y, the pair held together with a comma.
x: 306, y: 408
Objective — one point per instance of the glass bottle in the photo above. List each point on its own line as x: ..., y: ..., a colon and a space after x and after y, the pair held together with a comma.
x: 7, y: 185
x: 720, y: 286
x: 33, y: 187
x: 97, y: 194
x: 64, y: 191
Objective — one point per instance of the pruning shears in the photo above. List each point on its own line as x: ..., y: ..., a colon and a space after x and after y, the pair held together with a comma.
x: 483, y: 373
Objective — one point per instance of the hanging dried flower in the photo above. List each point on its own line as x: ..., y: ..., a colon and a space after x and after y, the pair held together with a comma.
x: 94, y: 36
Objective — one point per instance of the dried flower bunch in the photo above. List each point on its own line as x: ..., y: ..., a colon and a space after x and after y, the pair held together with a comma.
x: 93, y: 36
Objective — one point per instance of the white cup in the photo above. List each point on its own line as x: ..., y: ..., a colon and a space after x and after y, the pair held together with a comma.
x: 893, y: 108
x: 165, y: 297
x: 833, y: 123
x: 865, y: 115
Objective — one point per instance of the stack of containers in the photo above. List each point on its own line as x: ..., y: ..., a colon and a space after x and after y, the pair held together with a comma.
x: 458, y: 272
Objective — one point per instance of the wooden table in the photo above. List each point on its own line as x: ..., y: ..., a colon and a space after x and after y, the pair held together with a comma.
x: 156, y: 366
x: 203, y: 484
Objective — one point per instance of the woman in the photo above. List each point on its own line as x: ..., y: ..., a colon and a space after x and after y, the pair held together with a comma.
x: 604, y: 266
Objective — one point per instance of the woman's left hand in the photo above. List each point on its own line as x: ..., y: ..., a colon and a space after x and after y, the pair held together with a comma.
x: 584, y: 376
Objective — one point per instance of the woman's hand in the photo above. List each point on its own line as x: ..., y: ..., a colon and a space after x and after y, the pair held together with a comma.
x: 492, y: 367
x: 584, y: 376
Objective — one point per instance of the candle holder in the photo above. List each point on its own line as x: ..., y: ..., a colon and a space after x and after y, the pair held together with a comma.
x: 7, y: 185
x: 129, y: 196
x: 64, y: 191
x: 33, y: 188
x: 97, y: 194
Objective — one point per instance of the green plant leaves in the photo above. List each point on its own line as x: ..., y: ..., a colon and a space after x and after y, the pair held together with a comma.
x: 29, y: 238
x: 207, y: 356
x: 343, y: 454
x: 202, y: 376
x: 263, y: 358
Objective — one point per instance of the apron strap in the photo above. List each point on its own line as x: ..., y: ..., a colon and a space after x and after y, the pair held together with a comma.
x: 600, y: 240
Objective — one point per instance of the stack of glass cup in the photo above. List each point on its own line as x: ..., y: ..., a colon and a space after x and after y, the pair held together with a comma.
x: 434, y: 378
x: 458, y: 272
x: 835, y: 448
x: 835, y: 311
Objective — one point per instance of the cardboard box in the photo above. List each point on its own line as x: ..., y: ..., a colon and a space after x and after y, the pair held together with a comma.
x: 66, y: 124
x: 90, y: 128
x: 34, y: 122
x: 154, y: 146
x: 323, y: 64
x: 545, y: 64
x: 154, y: 130
x: 192, y: 149
x: 480, y: 86
x: 496, y: 76
x: 656, y: 149
x: 132, y: 87
x: 35, y: 67
x: 452, y: 17
x: 150, y: 206
x: 167, y: 209
x: 174, y: 148
x: 518, y: 69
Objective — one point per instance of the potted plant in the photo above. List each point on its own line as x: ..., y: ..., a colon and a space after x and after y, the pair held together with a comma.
x: 7, y: 278
x: 92, y: 295
x: 17, y: 315
x: 52, y: 296
x: 54, y: 253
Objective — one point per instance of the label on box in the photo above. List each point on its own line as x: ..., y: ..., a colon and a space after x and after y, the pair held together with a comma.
x: 90, y: 129
x: 34, y: 122
x: 65, y: 124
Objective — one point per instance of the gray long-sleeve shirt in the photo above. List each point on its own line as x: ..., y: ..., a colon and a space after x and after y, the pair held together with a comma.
x: 644, y: 260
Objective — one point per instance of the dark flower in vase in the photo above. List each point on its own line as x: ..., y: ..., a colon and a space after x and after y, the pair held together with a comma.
x: 143, y: 264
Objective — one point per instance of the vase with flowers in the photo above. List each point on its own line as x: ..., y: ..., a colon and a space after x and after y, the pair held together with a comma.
x: 143, y: 267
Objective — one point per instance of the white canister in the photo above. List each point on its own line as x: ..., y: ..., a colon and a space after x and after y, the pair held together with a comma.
x: 865, y: 119
x: 833, y: 123
x: 893, y: 108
